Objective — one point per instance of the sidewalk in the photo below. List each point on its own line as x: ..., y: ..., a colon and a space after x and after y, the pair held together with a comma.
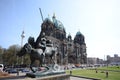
x: 76, y: 78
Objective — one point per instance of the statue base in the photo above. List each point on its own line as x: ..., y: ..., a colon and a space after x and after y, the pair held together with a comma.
x: 46, y: 71
x: 42, y: 74
x: 56, y: 77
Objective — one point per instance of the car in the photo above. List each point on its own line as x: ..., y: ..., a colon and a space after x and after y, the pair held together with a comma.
x: 11, y: 70
x: 1, y: 67
x: 25, y: 70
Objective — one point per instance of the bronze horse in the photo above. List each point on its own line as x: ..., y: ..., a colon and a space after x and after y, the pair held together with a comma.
x: 35, y: 54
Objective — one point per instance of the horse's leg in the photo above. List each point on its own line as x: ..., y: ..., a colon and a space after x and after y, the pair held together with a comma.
x: 41, y: 61
x: 32, y: 61
x: 52, y: 60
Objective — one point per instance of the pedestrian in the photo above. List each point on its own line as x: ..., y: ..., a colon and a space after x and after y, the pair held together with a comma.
x: 70, y: 72
x: 96, y: 71
x: 17, y: 72
x: 106, y: 74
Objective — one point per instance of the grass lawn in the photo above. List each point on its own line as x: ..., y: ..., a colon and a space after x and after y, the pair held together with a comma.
x: 110, y: 68
x: 92, y: 74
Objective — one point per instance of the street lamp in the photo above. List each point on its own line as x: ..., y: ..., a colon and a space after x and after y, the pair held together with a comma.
x: 22, y: 37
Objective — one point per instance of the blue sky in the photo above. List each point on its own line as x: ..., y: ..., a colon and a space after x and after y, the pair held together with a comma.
x: 98, y: 20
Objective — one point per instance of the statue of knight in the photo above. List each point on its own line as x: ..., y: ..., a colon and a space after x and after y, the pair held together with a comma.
x: 42, y: 43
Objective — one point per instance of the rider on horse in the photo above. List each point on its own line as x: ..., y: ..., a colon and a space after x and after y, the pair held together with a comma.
x: 31, y: 41
x: 42, y: 43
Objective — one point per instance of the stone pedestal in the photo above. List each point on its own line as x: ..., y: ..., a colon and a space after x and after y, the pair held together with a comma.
x: 55, y: 77
x: 48, y: 71
x: 44, y: 74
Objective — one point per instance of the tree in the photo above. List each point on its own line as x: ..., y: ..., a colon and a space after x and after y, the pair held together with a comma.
x: 1, y: 53
x: 9, y: 55
x: 10, y: 58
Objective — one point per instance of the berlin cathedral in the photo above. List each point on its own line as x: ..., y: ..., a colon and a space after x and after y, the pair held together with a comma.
x: 69, y: 51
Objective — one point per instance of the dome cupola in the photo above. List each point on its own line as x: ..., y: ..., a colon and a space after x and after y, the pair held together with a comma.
x: 79, y: 38
x: 79, y: 34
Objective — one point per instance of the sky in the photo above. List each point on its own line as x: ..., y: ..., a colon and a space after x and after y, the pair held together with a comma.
x: 97, y: 20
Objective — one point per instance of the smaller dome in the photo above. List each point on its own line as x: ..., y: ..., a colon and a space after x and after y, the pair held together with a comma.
x: 47, y: 20
x: 79, y: 38
x: 79, y: 33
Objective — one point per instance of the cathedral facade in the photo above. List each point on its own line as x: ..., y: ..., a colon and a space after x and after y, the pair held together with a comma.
x: 69, y: 51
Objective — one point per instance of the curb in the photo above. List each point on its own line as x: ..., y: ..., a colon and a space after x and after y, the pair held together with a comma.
x: 85, y: 77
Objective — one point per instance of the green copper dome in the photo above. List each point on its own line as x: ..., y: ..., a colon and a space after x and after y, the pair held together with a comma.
x: 78, y: 33
x: 59, y: 25
x: 56, y: 23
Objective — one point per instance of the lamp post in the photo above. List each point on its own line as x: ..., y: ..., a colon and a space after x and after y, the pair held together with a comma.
x: 22, y: 37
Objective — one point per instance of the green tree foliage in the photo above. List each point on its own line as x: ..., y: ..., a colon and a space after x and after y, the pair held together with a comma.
x: 1, y: 53
x: 10, y: 58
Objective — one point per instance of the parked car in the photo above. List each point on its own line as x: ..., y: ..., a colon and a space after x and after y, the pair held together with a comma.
x: 11, y: 70
x: 1, y: 67
x: 24, y: 70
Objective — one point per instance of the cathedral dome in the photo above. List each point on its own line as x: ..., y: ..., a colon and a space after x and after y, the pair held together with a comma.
x: 58, y: 24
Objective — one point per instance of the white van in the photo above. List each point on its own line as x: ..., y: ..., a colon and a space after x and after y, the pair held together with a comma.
x: 1, y: 67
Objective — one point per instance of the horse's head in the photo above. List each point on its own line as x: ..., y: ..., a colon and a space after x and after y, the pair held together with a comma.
x: 26, y: 49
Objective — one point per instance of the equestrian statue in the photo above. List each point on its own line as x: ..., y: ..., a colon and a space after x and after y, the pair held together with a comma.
x: 38, y: 51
